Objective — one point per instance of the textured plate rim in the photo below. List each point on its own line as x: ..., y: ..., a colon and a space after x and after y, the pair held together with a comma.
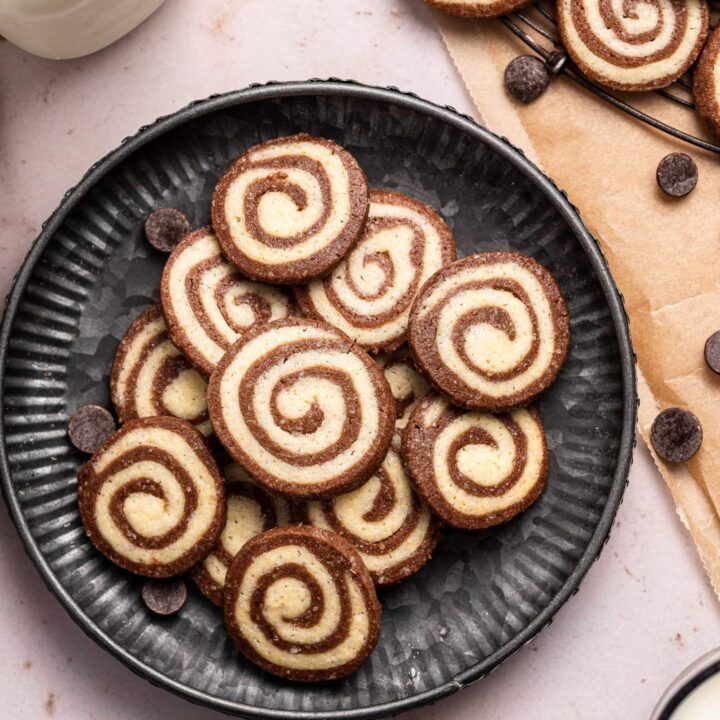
x: 333, y: 86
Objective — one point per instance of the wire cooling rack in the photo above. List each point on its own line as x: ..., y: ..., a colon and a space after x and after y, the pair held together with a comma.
x: 540, y: 20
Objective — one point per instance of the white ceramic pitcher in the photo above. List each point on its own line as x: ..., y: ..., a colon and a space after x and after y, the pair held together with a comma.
x: 62, y: 29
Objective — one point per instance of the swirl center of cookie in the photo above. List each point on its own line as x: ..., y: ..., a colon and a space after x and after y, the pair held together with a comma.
x: 289, y: 202
x: 486, y: 460
x: 298, y: 611
x: 315, y: 409
x: 385, y: 267
x: 242, y: 304
x: 375, y: 511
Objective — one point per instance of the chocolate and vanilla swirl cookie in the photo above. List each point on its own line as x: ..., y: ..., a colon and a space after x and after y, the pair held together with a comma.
x: 706, y: 86
x: 305, y: 411
x: 639, y: 46
x: 250, y: 510
x: 288, y: 210
x: 477, y: 8
x: 208, y: 304
x: 392, y: 529
x: 151, y: 377
x: 407, y: 385
x: 491, y: 330
x: 152, y: 498
x: 300, y: 604
x: 475, y: 469
x: 369, y: 294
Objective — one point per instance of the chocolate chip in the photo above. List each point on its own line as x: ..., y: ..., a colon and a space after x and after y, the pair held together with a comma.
x: 526, y: 77
x: 164, y: 597
x: 676, y: 435
x: 89, y: 427
x: 712, y: 352
x: 165, y: 228
x: 677, y: 174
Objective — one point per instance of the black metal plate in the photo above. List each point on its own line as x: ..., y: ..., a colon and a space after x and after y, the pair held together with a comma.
x: 484, y: 595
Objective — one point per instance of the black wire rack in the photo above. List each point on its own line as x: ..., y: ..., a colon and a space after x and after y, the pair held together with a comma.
x: 541, y: 21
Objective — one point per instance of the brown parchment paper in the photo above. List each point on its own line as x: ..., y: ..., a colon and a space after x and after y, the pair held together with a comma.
x: 663, y: 252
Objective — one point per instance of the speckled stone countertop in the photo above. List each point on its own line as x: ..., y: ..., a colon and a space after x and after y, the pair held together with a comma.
x: 644, y: 611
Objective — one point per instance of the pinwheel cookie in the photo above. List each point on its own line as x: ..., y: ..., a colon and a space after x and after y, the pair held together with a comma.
x: 208, y: 304
x: 392, y: 529
x: 475, y: 469
x: 151, y: 377
x: 491, y: 330
x: 300, y: 604
x: 306, y: 412
x: 152, y: 498
x: 633, y: 46
x: 369, y: 294
x: 706, y: 87
x: 288, y: 210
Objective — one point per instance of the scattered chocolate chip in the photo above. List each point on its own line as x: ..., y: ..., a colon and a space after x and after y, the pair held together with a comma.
x: 677, y: 174
x: 165, y: 228
x: 526, y: 77
x: 164, y: 597
x: 712, y: 352
x: 89, y: 427
x: 676, y: 435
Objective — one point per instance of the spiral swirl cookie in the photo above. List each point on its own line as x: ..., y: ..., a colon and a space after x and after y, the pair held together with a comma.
x: 477, y: 8
x: 407, y: 385
x: 305, y: 411
x: 369, y: 294
x: 150, y: 376
x: 475, y: 469
x: 288, y: 210
x: 250, y: 510
x: 208, y: 304
x: 491, y: 330
x: 634, y: 46
x: 152, y: 498
x: 392, y: 529
x: 706, y: 87
x: 300, y: 604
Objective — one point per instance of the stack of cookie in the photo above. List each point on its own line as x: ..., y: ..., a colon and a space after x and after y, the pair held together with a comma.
x: 322, y: 387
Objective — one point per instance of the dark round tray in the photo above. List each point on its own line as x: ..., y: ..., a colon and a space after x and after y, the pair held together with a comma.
x: 90, y: 272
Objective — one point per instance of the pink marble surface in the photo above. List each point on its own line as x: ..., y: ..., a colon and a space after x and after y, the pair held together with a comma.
x: 644, y: 611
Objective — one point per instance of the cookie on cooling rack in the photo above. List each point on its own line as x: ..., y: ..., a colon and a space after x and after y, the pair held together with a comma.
x: 475, y: 469
x: 288, y: 210
x: 151, y: 498
x: 491, y: 330
x: 305, y: 411
x: 387, y: 523
x: 477, y: 8
x: 369, y: 294
x: 208, y: 304
x: 250, y: 510
x: 645, y: 47
x: 300, y: 604
x: 706, y: 88
x: 151, y: 377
